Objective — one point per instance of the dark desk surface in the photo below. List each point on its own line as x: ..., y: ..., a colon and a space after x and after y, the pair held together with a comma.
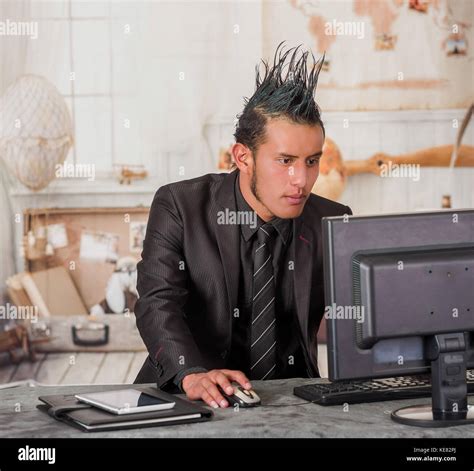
x: 20, y: 418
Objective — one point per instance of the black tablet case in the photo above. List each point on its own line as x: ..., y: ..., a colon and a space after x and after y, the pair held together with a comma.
x: 66, y: 408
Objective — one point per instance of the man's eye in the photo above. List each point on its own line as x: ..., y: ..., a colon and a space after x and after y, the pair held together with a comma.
x: 313, y: 162
x: 285, y: 160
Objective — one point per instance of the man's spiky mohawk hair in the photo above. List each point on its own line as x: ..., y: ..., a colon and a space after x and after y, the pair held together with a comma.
x: 280, y: 94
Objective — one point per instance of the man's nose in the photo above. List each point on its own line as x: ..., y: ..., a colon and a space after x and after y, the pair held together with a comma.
x: 298, y: 176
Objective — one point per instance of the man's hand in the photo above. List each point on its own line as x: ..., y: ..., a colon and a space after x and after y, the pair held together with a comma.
x: 204, y: 386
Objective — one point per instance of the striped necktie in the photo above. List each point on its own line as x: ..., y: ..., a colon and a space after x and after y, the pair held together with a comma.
x: 263, y: 331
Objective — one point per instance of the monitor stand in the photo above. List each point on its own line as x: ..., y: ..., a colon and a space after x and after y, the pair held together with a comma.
x: 449, y: 406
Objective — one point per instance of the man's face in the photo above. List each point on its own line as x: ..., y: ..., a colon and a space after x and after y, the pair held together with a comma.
x: 286, y: 167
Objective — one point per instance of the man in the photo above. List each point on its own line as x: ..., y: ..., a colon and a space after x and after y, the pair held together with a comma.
x: 230, y: 282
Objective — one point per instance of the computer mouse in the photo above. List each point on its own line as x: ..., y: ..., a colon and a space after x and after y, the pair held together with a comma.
x: 243, y: 397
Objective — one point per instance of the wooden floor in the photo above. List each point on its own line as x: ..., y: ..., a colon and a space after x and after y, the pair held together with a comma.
x: 75, y: 368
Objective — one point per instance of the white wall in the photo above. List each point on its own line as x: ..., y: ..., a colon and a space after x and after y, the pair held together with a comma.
x: 147, y: 75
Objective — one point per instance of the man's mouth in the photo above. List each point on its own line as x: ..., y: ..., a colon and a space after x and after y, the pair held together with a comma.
x: 295, y: 199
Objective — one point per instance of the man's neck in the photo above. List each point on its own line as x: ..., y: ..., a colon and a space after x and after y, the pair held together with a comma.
x: 258, y: 207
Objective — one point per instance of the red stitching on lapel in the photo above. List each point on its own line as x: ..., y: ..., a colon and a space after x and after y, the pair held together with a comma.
x: 158, y: 352
x: 303, y: 239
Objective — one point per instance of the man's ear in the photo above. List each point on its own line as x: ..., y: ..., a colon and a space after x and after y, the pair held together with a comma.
x: 242, y: 156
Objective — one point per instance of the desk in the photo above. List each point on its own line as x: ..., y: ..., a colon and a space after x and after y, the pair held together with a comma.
x: 298, y: 421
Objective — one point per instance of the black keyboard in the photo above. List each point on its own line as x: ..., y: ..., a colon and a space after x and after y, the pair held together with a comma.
x: 387, y: 389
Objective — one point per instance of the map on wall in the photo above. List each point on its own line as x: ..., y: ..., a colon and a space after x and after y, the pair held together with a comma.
x: 382, y: 54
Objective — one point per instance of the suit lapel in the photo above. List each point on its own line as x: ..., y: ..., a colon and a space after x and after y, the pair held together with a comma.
x: 228, y: 240
x: 304, y: 253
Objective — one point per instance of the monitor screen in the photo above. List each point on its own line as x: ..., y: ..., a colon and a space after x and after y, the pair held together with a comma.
x: 429, y: 236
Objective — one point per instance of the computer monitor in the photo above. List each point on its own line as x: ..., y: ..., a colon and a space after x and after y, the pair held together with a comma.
x: 399, y: 295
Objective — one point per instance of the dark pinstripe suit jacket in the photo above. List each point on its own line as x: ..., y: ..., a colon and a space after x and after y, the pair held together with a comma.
x: 189, y: 273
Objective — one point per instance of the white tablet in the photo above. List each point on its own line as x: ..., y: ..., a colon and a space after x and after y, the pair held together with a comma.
x: 125, y: 401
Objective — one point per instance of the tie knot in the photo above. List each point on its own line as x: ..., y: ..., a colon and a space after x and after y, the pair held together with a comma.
x: 266, y: 232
